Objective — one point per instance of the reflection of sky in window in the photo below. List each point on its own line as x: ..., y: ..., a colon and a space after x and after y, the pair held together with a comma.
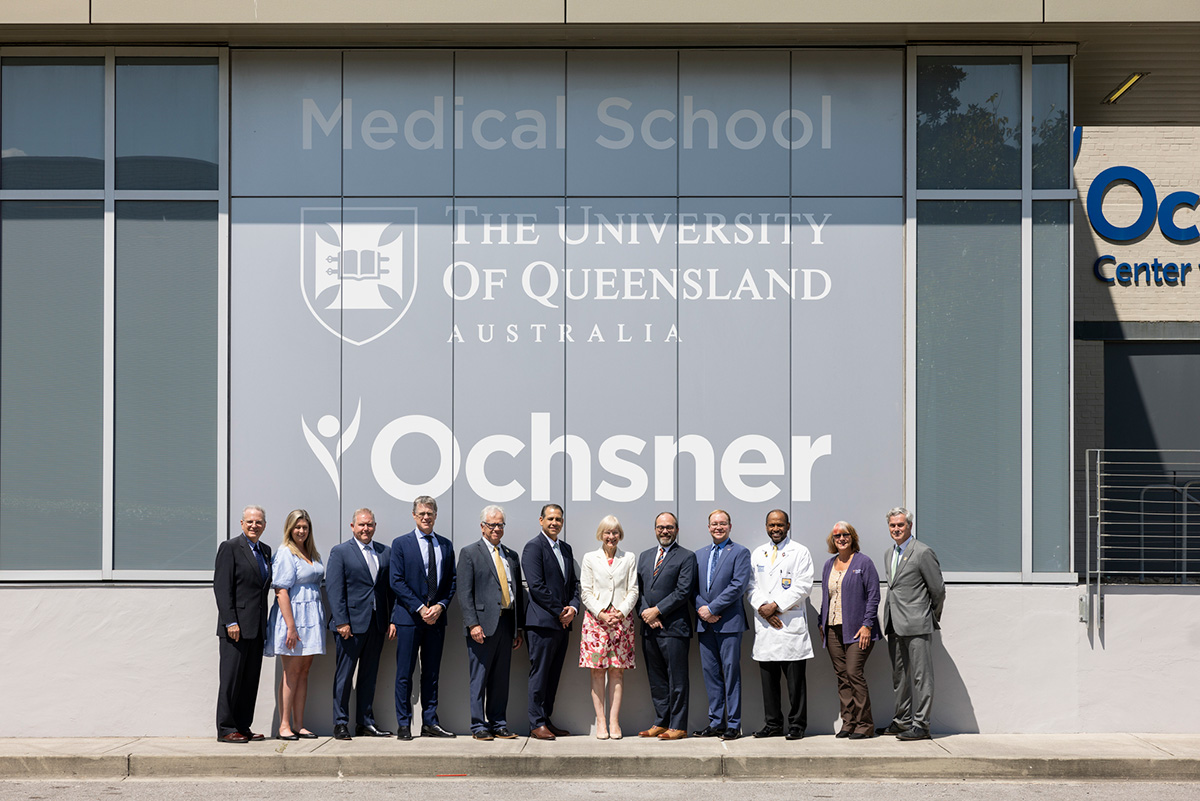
x: 53, y: 107
x: 1049, y: 91
x: 167, y: 108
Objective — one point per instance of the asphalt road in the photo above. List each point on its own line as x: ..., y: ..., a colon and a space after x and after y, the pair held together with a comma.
x: 547, y: 790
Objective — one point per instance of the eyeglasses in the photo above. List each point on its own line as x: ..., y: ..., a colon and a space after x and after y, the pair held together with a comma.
x: 664, y: 528
x: 495, y: 526
x: 842, y: 536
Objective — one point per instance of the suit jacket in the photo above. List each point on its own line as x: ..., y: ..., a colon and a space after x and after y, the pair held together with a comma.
x: 729, y: 585
x: 549, y: 590
x: 407, y: 578
x: 240, y: 588
x: 916, y: 592
x: 672, y: 591
x: 602, y: 585
x: 353, y: 598
x: 480, y: 586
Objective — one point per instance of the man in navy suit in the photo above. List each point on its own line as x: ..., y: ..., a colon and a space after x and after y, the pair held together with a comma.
x: 553, y: 603
x: 241, y: 580
x: 722, y: 576
x: 422, y: 579
x: 489, y: 578
x: 360, y: 602
x: 666, y: 577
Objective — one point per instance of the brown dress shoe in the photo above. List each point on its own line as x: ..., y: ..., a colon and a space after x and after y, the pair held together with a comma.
x: 557, y: 732
x: 542, y: 733
x: 653, y: 731
x: 673, y: 734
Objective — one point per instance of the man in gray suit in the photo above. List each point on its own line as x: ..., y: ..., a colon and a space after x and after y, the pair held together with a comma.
x: 911, y: 611
x: 489, y: 585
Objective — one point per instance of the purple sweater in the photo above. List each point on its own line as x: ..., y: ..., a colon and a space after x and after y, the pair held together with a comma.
x: 860, y: 598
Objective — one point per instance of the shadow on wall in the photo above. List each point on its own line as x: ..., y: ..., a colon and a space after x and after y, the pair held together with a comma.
x: 953, y: 712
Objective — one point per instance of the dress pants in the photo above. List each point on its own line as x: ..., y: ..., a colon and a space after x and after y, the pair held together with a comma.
x: 721, y: 663
x: 912, y: 678
x: 240, y: 667
x: 794, y: 672
x: 428, y: 640
x: 848, y: 662
x: 547, y: 650
x: 667, y: 671
x: 361, y: 650
x: 490, y: 664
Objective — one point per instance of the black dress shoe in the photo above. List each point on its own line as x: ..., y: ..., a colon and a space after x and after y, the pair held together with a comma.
x: 708, y: 731
x: 483, y: 735
x: 769, y: 731
x: 503, y: 733
x: 341, y: 732
x: 369, y: 730
x: 843, y: 734
x: 891, y: 728
x: 795, y: 734
x: 292, y: 736
x: 862, y: 735
x: 403, y: 733
x: 915, y: 733
x: 731, y: 734
x: 436, y: 731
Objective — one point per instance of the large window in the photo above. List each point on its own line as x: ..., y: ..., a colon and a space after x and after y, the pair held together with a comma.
x: 112, y: 411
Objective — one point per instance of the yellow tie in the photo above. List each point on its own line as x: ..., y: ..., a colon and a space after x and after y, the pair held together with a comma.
x: 505, y: 598
x: 774, y: 553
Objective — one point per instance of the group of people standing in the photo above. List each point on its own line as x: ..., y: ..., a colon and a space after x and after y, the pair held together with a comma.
x: 401, y: 593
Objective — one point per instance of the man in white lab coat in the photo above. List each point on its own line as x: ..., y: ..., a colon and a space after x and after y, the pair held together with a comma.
x: 781, y: 578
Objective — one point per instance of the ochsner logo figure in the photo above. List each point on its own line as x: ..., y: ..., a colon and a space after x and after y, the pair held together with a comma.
x: 328, y: 428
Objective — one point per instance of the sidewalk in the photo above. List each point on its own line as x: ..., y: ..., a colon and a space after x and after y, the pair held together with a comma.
x: 1079, y: 757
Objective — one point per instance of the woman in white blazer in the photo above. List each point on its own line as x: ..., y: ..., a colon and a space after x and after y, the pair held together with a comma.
x: 608, y: 588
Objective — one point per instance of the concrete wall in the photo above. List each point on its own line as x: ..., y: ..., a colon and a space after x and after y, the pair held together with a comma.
x: 142, y: 660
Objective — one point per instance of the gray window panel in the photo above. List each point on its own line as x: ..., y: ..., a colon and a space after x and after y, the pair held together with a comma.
x: 52, y: 135
x: 968, y: 136
x: 969, y: 383
x: 165, y: 472
x: 166, y: 123
x: 1051, y: 123
x: 1051, y: 389
x: 51, y: 385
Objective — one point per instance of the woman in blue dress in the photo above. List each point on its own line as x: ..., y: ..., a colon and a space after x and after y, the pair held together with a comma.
x: 296, y: 629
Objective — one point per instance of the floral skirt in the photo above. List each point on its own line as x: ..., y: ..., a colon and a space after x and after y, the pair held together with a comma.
x: 602, y: 646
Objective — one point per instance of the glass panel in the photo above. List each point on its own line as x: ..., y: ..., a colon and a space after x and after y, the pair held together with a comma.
x: 968, y: 135
x: 166, y: 123
x: 165, y: 491
x: 1051, y: 123
x: 51, y: 384
x: 52, y: 135
x: 969, y: 383
x: 1051, y: 419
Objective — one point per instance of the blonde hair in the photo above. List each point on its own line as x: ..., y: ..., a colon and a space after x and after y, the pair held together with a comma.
x: 842, y: 525
x: 308, y: 549
x: 610, y: 523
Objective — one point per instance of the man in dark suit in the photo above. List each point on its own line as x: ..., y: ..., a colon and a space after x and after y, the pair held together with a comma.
x: 722, y: 578
x: 241, y: 581
x: 422, y: 579
x: 666, y: 586
x: 489, y: 578
x: 553, y: 603
x: 360, y: 602
x: 912, y: 610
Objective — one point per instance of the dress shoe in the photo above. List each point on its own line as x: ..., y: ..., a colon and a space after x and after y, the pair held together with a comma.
x: 891, y: 728
x: 843, y: 734
x: 503, y: 733
x: 341, y: 732
x: 254, y: 736
x: 483, y: 736
x: 292, y: 736
x: 769, y: 731
x: 369, y: 730
x: 653, y: 731
x: 731, y: 734
x: 542, y: 733
x: 557, y: 732
x: 233, y: 737
x: 308, y: 735
x: 673, y: 734
x: 434, y: 730
x: 708, y: 731
x: 915, y: 733
x: 403, y: 733
x: 862, y: 735
x: 795, y: 734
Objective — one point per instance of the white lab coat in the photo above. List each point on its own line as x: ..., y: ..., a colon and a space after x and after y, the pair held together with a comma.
x: 787, y: 583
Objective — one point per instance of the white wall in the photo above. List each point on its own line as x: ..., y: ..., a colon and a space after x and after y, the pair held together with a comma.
x: 142, y: 660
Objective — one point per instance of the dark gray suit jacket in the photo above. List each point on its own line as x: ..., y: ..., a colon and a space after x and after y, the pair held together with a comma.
x: 913, y: 604
x: 671, y: 591
x: 479, y: 586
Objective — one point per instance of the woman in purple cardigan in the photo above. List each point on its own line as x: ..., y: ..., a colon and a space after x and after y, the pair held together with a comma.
x: 850, y: 625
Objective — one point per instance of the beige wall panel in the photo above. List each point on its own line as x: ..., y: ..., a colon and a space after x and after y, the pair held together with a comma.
x: 322, y: 11
x: 758, y: 11
x: 43, y: 11
x: 1122, y: 11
